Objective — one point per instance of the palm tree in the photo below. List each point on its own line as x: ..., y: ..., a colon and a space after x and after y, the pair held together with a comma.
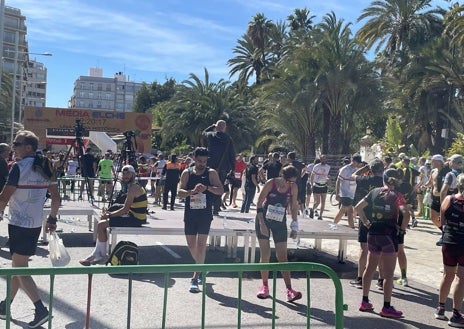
x: 454, y: 24
x: 247, y: 62
x: 258, y: 31
x: 300, y: 20
x: 196, y: 104
x: 397, y: 26
x: 339, y: 59
x: 288, y: 108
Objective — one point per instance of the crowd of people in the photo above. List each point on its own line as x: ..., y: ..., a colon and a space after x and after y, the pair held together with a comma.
x: 381, y: 199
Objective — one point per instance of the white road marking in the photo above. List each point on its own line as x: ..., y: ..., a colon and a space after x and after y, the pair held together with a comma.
x: 169, y: 250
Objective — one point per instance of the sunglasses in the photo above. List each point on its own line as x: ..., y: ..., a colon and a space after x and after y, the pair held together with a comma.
x: 18, y: 144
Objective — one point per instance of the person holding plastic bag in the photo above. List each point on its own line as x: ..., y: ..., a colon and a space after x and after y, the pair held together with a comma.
x: 276, y: 195
x: 25, y: 192
x: 59, y: 256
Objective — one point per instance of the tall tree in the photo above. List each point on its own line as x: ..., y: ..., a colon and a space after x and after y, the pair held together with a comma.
x: 247, y: 62
x: 396, y: 26
x: 339, y: 58
x: 258, y: 31
x: 198, y: 103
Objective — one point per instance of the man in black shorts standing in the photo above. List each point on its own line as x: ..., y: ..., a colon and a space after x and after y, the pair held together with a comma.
x: 198, y: 185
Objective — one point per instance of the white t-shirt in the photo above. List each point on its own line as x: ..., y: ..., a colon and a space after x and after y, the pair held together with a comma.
x: 346, y: 182
x: 26, y: 203
x: 321, y: 174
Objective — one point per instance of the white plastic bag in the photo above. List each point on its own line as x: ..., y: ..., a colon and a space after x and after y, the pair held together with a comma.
x: 58, y: 253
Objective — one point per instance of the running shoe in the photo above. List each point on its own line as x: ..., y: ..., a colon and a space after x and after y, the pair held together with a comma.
x: 403, y: 282
x: 440, y: 313
x: 293, y: 295
x: 379, y: 284
x: 40, y: 318
x: 357, y: 283
x: 365, y: 306
x: 3, y: 310
x: 390, y: 312
x: 456, y: 321
x: 263, y: 292
x: 194, y: 286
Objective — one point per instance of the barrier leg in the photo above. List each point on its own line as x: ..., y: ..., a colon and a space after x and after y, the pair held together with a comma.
x: 89, y: 296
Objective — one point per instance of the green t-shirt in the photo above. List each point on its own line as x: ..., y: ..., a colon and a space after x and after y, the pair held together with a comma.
x: 104, y: 168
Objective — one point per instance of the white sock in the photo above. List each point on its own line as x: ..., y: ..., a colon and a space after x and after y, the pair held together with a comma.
x: 100, y: 250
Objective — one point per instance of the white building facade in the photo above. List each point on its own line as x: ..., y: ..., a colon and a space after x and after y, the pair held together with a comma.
x: 99, y: 93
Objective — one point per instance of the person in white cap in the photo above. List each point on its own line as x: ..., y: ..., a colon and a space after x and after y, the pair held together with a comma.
x: 133, y: 213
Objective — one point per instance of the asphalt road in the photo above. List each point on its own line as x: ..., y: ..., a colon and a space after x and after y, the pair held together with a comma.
x: 109, y: 294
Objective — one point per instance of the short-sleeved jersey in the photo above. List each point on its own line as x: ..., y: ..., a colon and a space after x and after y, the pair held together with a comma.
x: 321, y: 173
x: 26, y: 203
x: 105, y: 167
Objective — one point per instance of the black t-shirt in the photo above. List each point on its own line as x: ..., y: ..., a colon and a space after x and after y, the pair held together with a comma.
x: 272, y: 169
x: 87, y: 162
x: 364, y: 184
x: 250, y: 171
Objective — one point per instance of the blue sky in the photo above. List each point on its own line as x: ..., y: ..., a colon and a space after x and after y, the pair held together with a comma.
x: 150, y: 40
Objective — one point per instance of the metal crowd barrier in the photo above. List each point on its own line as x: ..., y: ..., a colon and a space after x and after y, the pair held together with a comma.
x: 307, y: 267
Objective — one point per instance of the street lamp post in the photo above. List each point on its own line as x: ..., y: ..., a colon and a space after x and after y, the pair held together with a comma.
x: 15, y: 71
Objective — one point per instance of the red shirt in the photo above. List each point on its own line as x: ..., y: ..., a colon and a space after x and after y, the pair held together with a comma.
x: 240, y: 167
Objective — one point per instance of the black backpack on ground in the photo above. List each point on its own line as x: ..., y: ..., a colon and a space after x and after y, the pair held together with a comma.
x: 125, y: 253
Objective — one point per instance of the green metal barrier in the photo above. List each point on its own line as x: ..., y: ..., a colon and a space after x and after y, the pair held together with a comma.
x: 184, y: 268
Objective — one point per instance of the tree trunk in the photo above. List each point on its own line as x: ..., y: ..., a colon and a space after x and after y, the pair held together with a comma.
x: 325, y: 129
x: 334, y: 134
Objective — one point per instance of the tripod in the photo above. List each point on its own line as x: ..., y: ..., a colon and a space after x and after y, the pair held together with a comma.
x: 127, y: 157
x: 78, y: 146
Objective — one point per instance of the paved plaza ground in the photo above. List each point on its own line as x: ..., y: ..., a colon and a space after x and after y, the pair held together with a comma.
x: 109, y: 293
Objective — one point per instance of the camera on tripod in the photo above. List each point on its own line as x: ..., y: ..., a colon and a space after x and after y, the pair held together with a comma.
x: 129, y: 134
x: 79, y: 128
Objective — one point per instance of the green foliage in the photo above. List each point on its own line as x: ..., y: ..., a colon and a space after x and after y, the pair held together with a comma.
x: 151, y: 95
x: 393, y: 135
x: 457, y: 146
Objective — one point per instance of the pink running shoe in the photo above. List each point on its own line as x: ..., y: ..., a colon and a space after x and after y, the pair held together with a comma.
x: 293, y: 295
x: 263, y: 292
x: 390, y: 312
x: 365, y: 306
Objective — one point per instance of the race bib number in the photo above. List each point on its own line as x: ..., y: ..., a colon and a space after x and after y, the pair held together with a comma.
x: 198, y: 201
x: 276, y: 213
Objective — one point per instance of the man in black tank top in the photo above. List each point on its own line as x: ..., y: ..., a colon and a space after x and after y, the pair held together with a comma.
x: 198, y: 185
